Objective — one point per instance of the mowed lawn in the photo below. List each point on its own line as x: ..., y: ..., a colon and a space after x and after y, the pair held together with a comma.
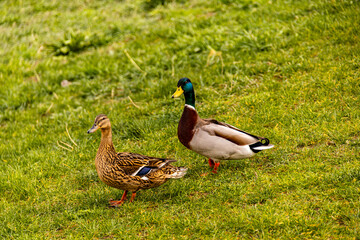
x: 285, y: 70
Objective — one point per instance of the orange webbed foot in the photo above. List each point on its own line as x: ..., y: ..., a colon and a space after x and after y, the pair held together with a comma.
x: 216, y: 168
x: 117, y: 203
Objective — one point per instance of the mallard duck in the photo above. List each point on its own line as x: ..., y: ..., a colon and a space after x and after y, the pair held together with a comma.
x: 129, y: 171
x: 211, y: 138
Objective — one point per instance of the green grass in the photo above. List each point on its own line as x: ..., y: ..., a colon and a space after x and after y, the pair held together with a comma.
x: 290, y: 72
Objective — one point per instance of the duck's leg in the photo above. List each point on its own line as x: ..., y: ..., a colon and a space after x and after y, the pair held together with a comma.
x: 116, y: 203
x: 133, y: 196
x: 211, y: 163
x: 216, y: 167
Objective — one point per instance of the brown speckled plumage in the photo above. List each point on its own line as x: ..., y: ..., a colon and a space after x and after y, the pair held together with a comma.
x: 120, y: 170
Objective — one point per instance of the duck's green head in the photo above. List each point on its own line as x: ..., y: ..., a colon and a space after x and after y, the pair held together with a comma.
x: 185, y: 86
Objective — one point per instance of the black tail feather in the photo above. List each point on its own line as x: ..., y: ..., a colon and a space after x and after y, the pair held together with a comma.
x: 262, y: 142
x: 257, y: 144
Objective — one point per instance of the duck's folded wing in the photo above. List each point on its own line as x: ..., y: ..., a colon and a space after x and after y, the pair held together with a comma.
x: 133, y: 181
x: 135, y: 157
x: 133, y: 163
x: 228, y: 132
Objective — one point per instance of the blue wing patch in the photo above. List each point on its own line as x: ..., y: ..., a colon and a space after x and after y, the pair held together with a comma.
x: 144, y: 171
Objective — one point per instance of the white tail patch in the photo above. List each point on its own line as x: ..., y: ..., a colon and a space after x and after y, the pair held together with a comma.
x: 179, y: 173
x: 263, y: 147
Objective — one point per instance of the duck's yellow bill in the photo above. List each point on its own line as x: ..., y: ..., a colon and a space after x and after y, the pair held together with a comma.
x: 178, y: 92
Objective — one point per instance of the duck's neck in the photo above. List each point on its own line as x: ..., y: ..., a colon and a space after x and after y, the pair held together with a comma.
x: 187, y: 124
x: 106, y: 144
x: 190, y: 97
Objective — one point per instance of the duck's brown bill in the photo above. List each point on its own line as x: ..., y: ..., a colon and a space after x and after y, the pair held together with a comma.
x: 93, y: 128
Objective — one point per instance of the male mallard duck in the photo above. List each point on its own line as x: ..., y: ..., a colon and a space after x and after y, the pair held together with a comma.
x: 210, y: 138
x: 129, y: 171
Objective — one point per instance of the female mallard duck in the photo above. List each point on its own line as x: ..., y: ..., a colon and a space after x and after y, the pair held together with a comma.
x: 210, y: 138
x: 129, y: 171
